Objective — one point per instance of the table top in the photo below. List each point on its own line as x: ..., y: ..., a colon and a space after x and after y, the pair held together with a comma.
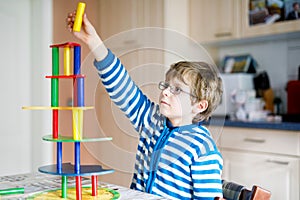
x: 38, y: 182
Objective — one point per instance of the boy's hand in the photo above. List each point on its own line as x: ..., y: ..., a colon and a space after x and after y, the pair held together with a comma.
x: 87, y: 34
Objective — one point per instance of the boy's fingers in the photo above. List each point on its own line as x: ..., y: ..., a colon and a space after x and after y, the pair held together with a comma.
x: 85, y: 19
x: 77, y: 34
x: 68, y: 19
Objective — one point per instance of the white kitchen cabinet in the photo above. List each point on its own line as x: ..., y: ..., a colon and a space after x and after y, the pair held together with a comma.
x: 268, y: 158
x: 214, y: 20
x: 278, y: 174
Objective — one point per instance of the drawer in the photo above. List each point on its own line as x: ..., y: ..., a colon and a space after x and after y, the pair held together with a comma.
x: 261, y: 140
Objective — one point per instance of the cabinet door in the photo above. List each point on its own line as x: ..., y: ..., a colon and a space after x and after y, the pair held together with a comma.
x: 116, y: 16
x: 262, y: 29
x: 213, y: 20
x: 278, y: 174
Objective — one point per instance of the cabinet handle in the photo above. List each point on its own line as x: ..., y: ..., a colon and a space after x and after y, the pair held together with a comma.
x: 278, y: 162
x: 224, y: 34
x: 255, y: 140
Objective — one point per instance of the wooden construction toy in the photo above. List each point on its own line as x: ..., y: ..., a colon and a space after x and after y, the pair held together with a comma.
x: 76, y: 169
x: 78, y: 17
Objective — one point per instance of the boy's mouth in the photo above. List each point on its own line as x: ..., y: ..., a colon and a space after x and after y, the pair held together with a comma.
x: 165, y: 103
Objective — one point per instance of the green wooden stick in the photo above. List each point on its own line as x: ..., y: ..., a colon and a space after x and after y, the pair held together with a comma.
x: 64, y: 186
x: 54, y: 81
x: 10, y: 191
x: 54, y: 92
x: 55, y: 61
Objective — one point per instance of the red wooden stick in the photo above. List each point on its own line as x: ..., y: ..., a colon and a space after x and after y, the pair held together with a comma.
x: 55, y: 124
x: 94, y: 185
x: 78, y: 187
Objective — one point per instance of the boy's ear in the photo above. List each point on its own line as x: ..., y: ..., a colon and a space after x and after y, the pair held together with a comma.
x: 201, y: 106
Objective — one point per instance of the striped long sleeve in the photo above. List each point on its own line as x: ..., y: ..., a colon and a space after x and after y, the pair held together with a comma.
x: 173, y: 162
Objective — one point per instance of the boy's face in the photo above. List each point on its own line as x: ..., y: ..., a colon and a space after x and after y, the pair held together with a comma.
x: 177, y: 108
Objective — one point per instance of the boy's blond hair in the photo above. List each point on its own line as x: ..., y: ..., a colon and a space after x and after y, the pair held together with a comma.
x: 204, y: 82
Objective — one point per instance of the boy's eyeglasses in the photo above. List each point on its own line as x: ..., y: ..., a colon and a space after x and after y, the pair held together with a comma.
x: 173, y: 89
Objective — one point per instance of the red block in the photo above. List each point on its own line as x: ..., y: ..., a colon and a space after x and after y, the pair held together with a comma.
x: 78, y: 188
x: 94, y: 185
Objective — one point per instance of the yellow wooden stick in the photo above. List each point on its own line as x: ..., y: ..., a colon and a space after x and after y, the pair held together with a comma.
x: 56, y: 108
x: 77, y: 124
x: 78, y: 17
x: 67, y: 61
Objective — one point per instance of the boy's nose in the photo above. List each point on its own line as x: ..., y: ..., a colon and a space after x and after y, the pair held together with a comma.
x: 167, y: 92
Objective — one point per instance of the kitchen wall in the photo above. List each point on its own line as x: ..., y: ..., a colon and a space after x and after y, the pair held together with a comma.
x: 277, y: 54
x: 278, y: 57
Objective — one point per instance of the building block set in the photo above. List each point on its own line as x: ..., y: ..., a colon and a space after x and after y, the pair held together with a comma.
x: 66, y: 170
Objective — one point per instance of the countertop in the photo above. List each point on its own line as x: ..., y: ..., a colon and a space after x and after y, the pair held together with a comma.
x: 222, y: 121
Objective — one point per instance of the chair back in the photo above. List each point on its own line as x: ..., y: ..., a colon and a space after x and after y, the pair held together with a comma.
x: 235, y: 191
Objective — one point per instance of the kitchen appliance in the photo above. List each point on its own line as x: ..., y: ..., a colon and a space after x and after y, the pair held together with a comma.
x: 264, y: 90
x: 232, y: 82
x: 261, y: 83
x: 293, y: 97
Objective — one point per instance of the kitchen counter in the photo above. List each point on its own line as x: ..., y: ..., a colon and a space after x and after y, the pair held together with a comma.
x: 221, y: 121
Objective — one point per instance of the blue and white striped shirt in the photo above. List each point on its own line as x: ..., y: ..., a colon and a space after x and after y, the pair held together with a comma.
x: 173, y: 162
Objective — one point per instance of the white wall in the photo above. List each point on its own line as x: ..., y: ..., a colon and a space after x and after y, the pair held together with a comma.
x: 24, y: 54
x: 41, y: 65
x: 15, y: 143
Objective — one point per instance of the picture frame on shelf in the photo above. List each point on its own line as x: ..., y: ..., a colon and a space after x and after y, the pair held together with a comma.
x: 239, y: 64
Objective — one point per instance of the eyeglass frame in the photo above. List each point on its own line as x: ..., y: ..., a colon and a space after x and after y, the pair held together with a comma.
x: 162, y: 85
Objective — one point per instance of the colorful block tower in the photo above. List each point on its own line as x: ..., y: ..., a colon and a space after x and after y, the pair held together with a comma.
x: 67, y: 169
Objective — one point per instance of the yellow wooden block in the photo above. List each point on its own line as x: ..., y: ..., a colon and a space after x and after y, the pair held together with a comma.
x: 56, y: 108
x: 67, y: 61
x: 77, y: 124
x: 78, y: 17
